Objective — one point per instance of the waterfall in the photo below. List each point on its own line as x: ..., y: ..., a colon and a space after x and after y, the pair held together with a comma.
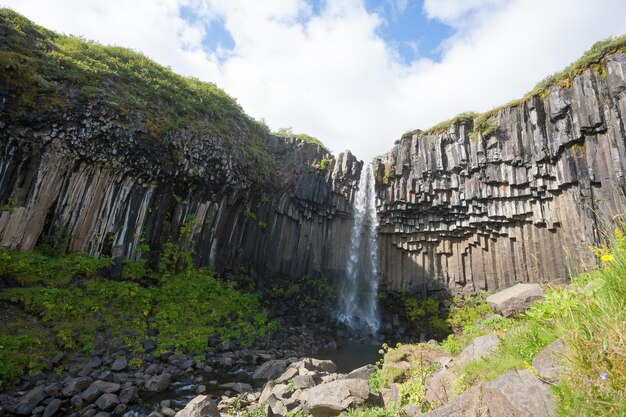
x: 358, y: 304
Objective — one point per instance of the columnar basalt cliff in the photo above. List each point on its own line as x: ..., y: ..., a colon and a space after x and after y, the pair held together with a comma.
x: 106, y: 190
x: 462, y: 211
x: 105, y: 152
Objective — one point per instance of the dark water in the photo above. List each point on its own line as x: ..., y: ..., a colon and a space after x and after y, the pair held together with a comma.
x: 351, y: 356
x: 183, y: 390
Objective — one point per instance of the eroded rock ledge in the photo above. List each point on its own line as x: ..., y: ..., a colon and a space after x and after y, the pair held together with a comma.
x: 522, y: 205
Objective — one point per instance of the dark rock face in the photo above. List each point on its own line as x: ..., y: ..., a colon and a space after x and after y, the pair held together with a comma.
x: 93, y: 175
x: 522, y: 205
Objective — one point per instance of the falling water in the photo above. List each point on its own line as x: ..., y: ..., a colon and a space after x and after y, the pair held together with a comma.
x: 358, y: 307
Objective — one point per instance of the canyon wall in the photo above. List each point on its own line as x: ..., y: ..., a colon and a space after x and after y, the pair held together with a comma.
x: 468, y: 212
x: 92, y: 181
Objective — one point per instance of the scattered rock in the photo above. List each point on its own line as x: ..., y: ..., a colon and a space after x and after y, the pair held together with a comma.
x: 364, y: 372
x: 480, y: 347
x: 107, y: 402
x: 331, y: 398
x: 52, y: 408
x: 201, y: 406
x: 239, y: 387
x: 76, y: 385
x: 30, y: 400
x: 128, y: 395
x: 270, y: 370
x: 519, y: 393
x: 158, y: 383
x: 548, y: 362
x: 515, y: 300
x: 119, y: 364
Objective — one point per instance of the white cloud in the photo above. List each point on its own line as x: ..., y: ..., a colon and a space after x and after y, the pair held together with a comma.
x: 331, y: 75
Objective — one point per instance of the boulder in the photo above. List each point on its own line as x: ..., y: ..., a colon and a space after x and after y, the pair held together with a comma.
x: 97, y: 388
x: 466, y: 404
x: 289, y: 374
x: 158, y: 383
x: 275, y: 407
x: 364, y: 372
x: 515, y: 300
x: 440, y: 386
x: 270, y: 370
x: 549, y: 362
x: 29, y: 401
x: 119, y: 364
x: 107, y: 402
x: 519, y: 393
x: 239, y: 387
x: 311, y: 364
x: 331, y: 398
x: 480, y: 347
x: 303, y: 382
x: 52, y: 408
x: 201, y: 406
x: 128, y: 395
x: 76, y: 386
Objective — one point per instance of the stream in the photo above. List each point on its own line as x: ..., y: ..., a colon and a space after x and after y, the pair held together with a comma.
x: 347, y: 357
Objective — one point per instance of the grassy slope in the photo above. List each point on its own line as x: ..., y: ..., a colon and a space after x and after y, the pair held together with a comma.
x: 63, y: 302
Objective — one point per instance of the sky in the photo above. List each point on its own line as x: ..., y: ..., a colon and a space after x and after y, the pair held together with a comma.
x: 354, y: 73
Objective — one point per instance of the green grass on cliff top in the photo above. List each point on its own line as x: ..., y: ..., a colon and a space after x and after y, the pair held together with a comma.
x: 592, y: 58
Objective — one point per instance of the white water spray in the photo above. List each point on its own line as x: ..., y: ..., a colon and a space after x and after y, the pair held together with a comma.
x: 358, y: 305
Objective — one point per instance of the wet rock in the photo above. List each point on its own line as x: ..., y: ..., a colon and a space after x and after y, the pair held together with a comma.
x: 107, y: 402
x: 239, y: 387
x: 201, y: 406
x: 158, y: 383
x: 330, y: 399
x: 270, y: 370
x: 168, y: 412
x: 52, y: 408
x: 128, y: 395
x: 120, y: 410
x: 515, y: 300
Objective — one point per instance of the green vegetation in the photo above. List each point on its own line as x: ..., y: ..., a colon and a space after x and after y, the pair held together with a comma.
x: 63, y: 304
x: 287, y: 132
x: 486, y: 124
x: 51, y: 73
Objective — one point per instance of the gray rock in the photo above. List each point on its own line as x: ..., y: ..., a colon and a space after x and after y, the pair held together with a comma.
x: 52, y: 408
x: 288, y: 375
x: 168, y: 412
x: 303, y: 381
x: 77, y: 401
x: 276, y: 408
x: 330, y: 399
x: 519, y: 393
x: 120, y: 410
x: 480, y: 347
x: 364, y: 372
x: 107, y: 402
x: 119, y: 364
x: 30, y: 400
x: 128, y: 395
x: 311, y: 364
x: 464, y: 405
x: 201, y: 406
x: 270, y: 370
x: 239, y: 387
x: 440, y: 386
x: 76, y: 385
x: 515, y: 300
x: 549, y: 362
x: 158, y: 383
